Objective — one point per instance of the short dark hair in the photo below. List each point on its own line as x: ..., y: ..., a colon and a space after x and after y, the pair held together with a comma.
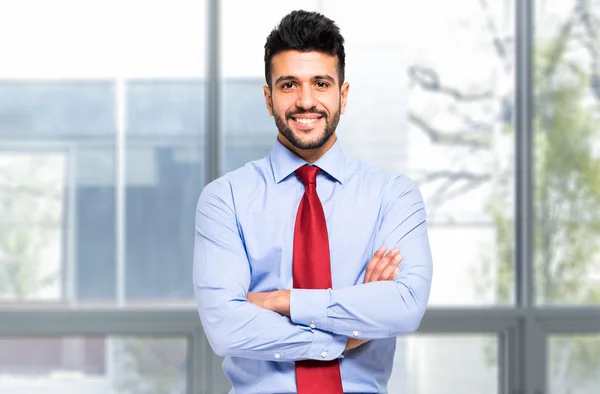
x: 305, y: 31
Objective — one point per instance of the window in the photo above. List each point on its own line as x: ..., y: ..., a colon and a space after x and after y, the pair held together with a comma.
x: 573, y: 363
x: 33, y: 210
x: 124, y: 107
x: 567, y: 153
x: 93, y: 365
x: 445, y: 364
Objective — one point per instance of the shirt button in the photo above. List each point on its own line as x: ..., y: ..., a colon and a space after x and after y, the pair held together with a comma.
x: 313, y: 326
x: 278, y: 355
x: 323, y: 354
x: 355, y: 333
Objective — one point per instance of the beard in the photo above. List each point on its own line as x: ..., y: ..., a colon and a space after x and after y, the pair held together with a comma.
x: 298, y: 142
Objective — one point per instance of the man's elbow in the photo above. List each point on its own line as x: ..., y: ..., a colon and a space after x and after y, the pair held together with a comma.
x: 222, y: 343
x: 408, y: 321
x: 217, y: 330
x: 221, y: 347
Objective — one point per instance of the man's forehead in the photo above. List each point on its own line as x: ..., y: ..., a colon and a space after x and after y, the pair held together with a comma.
x: 303, y: 65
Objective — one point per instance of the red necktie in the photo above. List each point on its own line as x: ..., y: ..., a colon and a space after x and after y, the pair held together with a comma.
x: 312, y: 270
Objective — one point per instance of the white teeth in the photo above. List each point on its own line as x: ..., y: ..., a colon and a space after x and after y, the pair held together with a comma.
x: 305, y: 121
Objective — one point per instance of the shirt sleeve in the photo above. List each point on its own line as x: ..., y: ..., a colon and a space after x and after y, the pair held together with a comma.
x: 221, y: 274
x: 387, y: 308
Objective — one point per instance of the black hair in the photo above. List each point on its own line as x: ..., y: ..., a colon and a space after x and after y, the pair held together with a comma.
x: 305, y: 31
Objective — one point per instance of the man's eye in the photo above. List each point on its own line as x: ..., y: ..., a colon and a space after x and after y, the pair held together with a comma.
x: 287, y: 85
x: 322, y: 84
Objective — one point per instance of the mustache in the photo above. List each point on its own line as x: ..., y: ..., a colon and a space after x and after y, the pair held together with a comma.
x: 289, y: 114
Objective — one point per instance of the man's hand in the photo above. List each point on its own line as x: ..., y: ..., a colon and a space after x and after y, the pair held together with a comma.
x: 383, y: 266
x: 276, y: 301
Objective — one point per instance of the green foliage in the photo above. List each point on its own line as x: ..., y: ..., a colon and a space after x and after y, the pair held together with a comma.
x: 30, y: 221
x: 566, y: 209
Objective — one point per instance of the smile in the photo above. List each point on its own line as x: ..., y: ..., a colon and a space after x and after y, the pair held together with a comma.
x: 306, y: 121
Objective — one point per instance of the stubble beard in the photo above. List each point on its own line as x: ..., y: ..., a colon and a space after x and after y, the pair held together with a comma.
x: 299, y: 143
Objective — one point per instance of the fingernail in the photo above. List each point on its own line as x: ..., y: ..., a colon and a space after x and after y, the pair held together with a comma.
x: 397, y: 271
x: 396, y: 250
x: 397, y: 258
x: 381, y: 249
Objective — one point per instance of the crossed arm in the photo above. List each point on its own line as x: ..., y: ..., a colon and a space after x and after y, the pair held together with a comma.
x: 277, y: 326
x: 382, y: 266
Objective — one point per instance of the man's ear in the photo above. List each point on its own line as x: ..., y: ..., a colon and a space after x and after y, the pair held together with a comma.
x: 268, y: 99
x: 344, y: 96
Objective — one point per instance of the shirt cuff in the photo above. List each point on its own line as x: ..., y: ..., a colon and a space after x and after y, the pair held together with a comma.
x: 327, y: 346
x: 309, y: 307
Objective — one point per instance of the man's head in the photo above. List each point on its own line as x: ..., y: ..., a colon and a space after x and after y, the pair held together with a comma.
x: 304, y: 71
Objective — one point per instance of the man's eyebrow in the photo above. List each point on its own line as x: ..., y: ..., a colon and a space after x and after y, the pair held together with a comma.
x: 325, y: 77
x: 285, y: 78
x: 316, y: 77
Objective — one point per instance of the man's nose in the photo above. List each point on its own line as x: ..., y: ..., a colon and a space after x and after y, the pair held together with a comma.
x: 306, y: 99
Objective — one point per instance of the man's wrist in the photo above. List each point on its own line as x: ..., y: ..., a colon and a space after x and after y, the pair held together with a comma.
x: 281, y: 302
x: 354, y: 343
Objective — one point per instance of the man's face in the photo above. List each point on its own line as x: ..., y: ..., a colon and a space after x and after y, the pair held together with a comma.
x: 306, y: 99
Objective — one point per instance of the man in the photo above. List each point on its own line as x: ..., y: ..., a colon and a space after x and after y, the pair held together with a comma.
x: 296, y: 260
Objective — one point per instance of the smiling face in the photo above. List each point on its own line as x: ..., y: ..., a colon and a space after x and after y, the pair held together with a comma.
x: 306, y: 101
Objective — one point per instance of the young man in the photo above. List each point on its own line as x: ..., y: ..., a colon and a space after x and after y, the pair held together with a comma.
x: 296, y: 260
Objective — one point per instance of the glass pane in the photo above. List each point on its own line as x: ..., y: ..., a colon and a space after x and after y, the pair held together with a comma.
x: 57, y: 182
x: 419, y: 103
x: 101, y: 149
x: 574, y: 364
x: 446, y: 364
x: 102, y: 365
x: 32, y: 212
x: 459, y: 144
x: 567, y: 152
x: 473, y: 276
x: 164, y: 179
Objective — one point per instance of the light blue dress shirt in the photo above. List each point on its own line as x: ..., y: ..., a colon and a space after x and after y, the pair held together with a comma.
x: 243, y: 242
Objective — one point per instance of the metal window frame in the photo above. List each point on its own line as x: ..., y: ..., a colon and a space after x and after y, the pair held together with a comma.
x: 522, y: 329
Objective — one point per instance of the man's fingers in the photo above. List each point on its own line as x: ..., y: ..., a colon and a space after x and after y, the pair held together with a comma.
x: 373, y: 262
x: 392, y: 269
x: 378, y: 268
x: 381, y: 267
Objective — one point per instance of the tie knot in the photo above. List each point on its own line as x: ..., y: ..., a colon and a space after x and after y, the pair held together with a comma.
x: 308, y: 174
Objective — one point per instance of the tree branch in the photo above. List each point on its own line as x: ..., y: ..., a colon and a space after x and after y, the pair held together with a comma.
x: 455, y: 176
x: 447, y: 191
x: 497, y: 42
x: 559, y: 47
x: 592, y: 45
x: 428, y: 79
x: 463, y: 138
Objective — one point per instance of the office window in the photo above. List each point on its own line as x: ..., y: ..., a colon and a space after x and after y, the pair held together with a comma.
x: 32, y: 212
x: 445, y: 364
x: 567, y: 153
x: 102, y: 365
x: 573, y: 364
x: 102, y: 125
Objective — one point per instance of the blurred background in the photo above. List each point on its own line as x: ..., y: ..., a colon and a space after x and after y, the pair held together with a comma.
x: 114, y: 114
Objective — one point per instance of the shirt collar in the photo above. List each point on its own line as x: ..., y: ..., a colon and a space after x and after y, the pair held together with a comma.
x: 284, y: 162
